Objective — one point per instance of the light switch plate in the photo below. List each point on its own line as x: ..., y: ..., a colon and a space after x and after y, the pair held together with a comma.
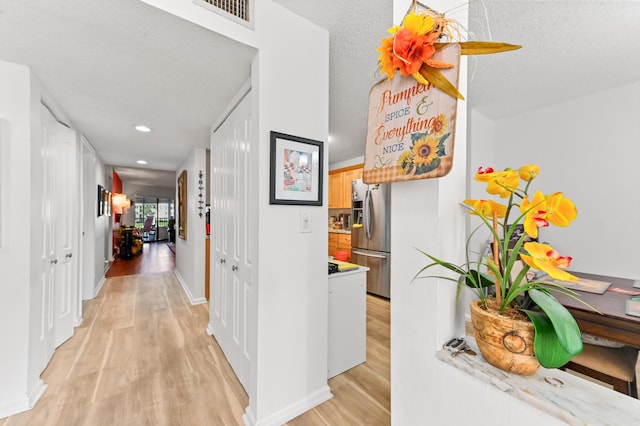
x: 305, y: 222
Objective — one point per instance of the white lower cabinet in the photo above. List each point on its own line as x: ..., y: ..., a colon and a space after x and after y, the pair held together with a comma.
x: 347, y: 320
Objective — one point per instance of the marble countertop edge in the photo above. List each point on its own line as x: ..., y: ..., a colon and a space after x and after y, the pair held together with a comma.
x: 578, y: 402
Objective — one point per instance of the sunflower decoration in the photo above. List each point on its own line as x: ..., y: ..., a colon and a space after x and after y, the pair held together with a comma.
x: 424, y: 155
x: 426, y: 148
x: 439, y: 126
x: 412, y: 45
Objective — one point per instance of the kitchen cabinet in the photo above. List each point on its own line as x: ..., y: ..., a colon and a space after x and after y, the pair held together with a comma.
x: 339, y: 242
x: 347, y: 177
x: 336, y: 191
x: 340, y: 187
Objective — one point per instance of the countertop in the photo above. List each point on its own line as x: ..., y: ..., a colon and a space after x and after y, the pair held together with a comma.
x: 340, y: 231
x: 576, y: 402
x: 349, y: 272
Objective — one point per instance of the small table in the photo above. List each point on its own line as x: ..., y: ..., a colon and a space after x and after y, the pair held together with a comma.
x: 613, y: 324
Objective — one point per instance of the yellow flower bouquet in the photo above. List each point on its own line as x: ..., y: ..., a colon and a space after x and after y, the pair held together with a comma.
x: 508, y: 268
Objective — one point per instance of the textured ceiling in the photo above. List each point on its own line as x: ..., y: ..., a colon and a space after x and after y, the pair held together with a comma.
x: 569, y: 49
x: 111, y: 65
x: 114, y: 64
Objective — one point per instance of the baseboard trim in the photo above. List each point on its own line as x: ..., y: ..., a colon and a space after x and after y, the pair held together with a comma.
x: 187, y: 291
x: 24, y: 403
x: 11, y: 407
x: 37, y: 392
x: 77, y: 322
x: 99, y: 287
x: 291, y: 411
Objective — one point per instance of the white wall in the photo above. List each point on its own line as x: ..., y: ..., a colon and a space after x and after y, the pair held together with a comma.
x: 588, y: 148
x: 102, y: 229
x: 289, y: 369
x: 291, y: 363
x: 190, y: 251
x: 15, y: 243
x: 427, y: 215
x: 89, y: 220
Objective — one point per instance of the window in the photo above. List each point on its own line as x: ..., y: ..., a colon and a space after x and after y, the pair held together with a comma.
x: 159, y: 211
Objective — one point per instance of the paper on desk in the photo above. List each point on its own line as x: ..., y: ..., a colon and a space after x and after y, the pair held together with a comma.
x: 583, y: 284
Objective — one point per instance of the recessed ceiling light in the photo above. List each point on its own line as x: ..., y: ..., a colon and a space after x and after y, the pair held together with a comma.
x: 141, y: 162
x: 142, y: 128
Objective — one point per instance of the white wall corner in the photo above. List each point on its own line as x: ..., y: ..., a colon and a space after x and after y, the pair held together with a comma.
x: 24, y: 403
x: 193, y: 300
x: 99, y: 286
x: 14, y: 406
x: 290, y: 411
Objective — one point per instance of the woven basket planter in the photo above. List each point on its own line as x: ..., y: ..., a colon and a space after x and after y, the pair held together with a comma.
x: 504, y: 342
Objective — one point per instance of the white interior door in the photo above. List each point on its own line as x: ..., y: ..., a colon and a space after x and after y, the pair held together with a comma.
x: 48, y: 259
x: 66, y: 208
x: 231, y: 219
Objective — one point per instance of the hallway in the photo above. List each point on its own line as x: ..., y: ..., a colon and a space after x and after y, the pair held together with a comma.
x: 142, y: 357
x: 155, y: 257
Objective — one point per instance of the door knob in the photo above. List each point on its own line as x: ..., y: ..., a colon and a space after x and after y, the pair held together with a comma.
x: 222, y: 261
x: 234, y: 268
x: 54, y: 261
x: 69, y: 255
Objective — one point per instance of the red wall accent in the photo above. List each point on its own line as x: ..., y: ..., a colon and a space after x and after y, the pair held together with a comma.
x: 117, y: 183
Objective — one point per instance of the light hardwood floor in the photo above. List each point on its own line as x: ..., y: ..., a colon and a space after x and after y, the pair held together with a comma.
x: 142, y: 357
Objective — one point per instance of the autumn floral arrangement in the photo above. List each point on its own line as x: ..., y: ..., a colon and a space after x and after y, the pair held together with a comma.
x: 503, y: 277
x: 411, y: 48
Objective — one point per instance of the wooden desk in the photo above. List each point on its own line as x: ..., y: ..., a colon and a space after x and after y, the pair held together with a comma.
x: 614, y: 324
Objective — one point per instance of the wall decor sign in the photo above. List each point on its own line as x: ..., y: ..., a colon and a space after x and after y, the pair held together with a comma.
x: 182, y: 205
x: 411, y: 125
x: 410, y: 130
x: 296, y: 170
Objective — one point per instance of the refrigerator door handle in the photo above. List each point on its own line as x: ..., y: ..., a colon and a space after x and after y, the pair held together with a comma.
x: 369, y: 255
x: 368, y: 205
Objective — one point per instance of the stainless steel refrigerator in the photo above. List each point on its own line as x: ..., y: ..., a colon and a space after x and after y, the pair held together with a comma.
x: 370, y: 234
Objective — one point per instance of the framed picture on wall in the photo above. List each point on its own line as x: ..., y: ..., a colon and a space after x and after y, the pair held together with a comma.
x: 107, y: 203
x: 100, y: 200
x: 296, y: 170
x: 182, y: 205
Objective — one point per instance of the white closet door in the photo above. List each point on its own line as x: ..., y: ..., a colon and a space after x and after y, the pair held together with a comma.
x: 66, y: 206
x: 48, y: 258
x: 231, y: 219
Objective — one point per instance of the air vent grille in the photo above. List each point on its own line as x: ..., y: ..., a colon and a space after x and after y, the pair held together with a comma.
x: 237, y: 8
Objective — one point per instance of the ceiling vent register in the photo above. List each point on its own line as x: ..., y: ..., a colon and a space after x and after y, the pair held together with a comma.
x: 237, y: 8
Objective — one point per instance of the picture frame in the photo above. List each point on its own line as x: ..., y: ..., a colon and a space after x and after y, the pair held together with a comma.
x: 296, y: 170
x: 182, y: 205
x: 107, y: 203
x: 100, y: 200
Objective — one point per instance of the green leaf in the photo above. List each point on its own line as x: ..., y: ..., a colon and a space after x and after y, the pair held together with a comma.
x: 547, y: 347
x: 416, y: 137
x: 564, y: 325
x: 450, y: 266
x: 475, y: 279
